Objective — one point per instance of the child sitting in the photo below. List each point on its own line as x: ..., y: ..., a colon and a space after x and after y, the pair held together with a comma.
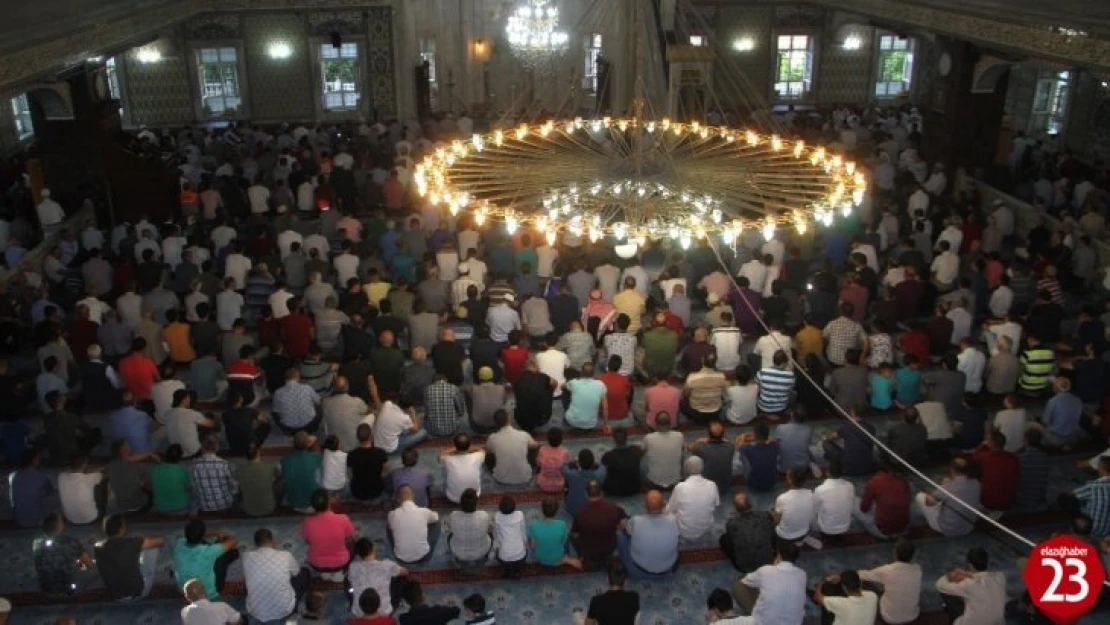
x: 881, y: 387
x: 333, y: 467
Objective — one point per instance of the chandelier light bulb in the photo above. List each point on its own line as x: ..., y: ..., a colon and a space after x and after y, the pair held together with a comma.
x: 551, y: 234
x: 626, y: 250
x: 769, y: 229
x: 510, y: 224
x: 480, y: 217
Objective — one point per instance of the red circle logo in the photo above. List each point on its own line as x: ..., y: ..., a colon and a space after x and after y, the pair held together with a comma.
x: 1064, y: 576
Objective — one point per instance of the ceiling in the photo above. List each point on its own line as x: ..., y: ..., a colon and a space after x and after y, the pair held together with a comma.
x: 31, y: 21
x: 1091, y: 16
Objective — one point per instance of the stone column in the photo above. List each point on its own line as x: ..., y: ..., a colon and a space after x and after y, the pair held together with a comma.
x: 406, y: 53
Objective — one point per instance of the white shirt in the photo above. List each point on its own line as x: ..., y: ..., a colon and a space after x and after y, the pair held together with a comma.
x: 333, y: 470
x: 286, y: 239
x: 409, y: 525
x: 742, y: 402
x: 391, y: 423
x: 935, y: 419
x: 954, y: 236
x: 984, y: 596
x: 204, y: 612
x: 279, y: 303
x: 181, y: 429
x: 961, y: 324
x: 267, y: 572
x: 1001, y: 300
x: 172, y: 247
x: 834, y: 499
x: 859, y: 610
x: 545, y: 259
x: 161, y: 394
x: 91, y: 239
x: 376, y: 574
x: 306, y: 193
x: 1004, y: 219
x: 768, y: 344
x: 316, y: 242
x: 797, y: 507
x: 76, y: 492
x: 756, y: 273
x: 511, y: 535
x: 946, y: 267
x: 229, y: 307
x: 97, y: 308
x: 1009, y: 329
x: 776, y: 249
x: 468, y: 240
x: 448, y: 263
x: 462, y: 471
x: 259, y: 197
x: 869, y: 253
x: 236, y: 266
x: 554, y: 364
x: 727, y: 341
x: 50, y: 213
x: 974, y: 364
x: 901, y: 598
x: 346, y: 267
x: 693, y: 503
x: 147, y: 244
x: 918, y: 201
x: 669, y: 285
x: 221, y: 236
x: 782, y: 593
x: 643, y: 281
x: 1012, y: 424
x: 478, y: 270
x: 936, y: 183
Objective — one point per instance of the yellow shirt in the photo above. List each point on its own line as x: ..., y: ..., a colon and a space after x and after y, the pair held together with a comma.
x: 376, y: 292
x: 632, y: 303
x: 176, y: 336
x: 809, y: 340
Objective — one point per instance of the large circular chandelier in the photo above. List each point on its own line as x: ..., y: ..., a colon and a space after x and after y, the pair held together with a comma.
x: 636, y: 179
x: 533, y: 32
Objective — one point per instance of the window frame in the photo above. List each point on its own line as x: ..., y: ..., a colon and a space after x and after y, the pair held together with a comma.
x: 199, y: 83
x: 593, y: 49
x: 809, y: 57
x: 881, y: 89
x: 22, y: 121
x: 430, y: 53
x: 358, y: 92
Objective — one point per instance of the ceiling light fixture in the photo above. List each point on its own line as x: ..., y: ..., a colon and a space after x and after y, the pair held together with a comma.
x: 744, y: 44
x: 280, y: 50
x: 853, y: 42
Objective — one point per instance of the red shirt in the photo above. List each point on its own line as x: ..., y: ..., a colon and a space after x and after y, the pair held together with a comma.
x: 82, y: 334
x: 296, y: 333
x: 617, y: 390
x: 891, y: 498
x: 674, y: 324
x: 326, y: 535
x: 998, y: 475
x: 138, y: 374
x: 377, y: 619
x: 856, y: 295
x: 512, y: 360
x: 243, y: 370
x: 916, y: 343
x: 269, y: 330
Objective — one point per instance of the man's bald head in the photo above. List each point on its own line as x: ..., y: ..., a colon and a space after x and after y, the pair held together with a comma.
x: 341, y: 384
x: 386, y: 338
x: 419, y: 354
x: 741, y: 502
x: 654, y: 502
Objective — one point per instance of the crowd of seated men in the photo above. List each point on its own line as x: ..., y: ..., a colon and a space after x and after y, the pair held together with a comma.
x: 302, y: 291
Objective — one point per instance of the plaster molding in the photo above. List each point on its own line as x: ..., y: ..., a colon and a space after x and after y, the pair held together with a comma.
x: 1036, y: 41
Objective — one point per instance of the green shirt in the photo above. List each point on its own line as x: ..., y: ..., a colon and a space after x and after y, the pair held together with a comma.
x: 191, y: 561
x: 660, y: 349
x: 386, y: 365
x: 256, y: 483
x: 300, y: 469
x: 170, y: 485
x: 549, y: 540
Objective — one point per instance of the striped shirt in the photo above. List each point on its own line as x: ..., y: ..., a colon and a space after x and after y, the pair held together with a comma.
x: 1037, y: 364
x: 775, y: 386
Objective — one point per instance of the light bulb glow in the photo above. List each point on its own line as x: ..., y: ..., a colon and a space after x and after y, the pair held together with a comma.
x: 510, y: 224
x: 769, y: 229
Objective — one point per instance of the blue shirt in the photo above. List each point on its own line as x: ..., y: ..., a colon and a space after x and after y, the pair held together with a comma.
x: 908, y: 383
x: 132, y: 425
x: 882, y: 391
x: 1062, y: 413
x: 794, y: 441
x: 577, y: 479
x: 585, y: 402
x: 403, y: 266
x: 527, y: 255
x: 191, y: 561
x: 654, y: 544
x: 27, y: 490
x: 13, y: 436
x: 763, y: 465
x: 38, y: 310
x: 45, y: 383
x: 549, y: 539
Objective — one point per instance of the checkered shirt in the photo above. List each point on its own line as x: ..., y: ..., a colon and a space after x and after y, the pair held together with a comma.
x: 296, y: 404
x: 213, y: 485
x: 843, y: 334
x: 1095, y: 497
x: 469, y: 534
x: 444, y: 408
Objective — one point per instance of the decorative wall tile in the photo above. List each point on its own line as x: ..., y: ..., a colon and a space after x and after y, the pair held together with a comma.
x: 324, y: 23
x: 158, y: 94
x: 745, y: 76
x: 379, y: 59
x: 215, y: 26
x: 280, y: 89
x: 845, y: 76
